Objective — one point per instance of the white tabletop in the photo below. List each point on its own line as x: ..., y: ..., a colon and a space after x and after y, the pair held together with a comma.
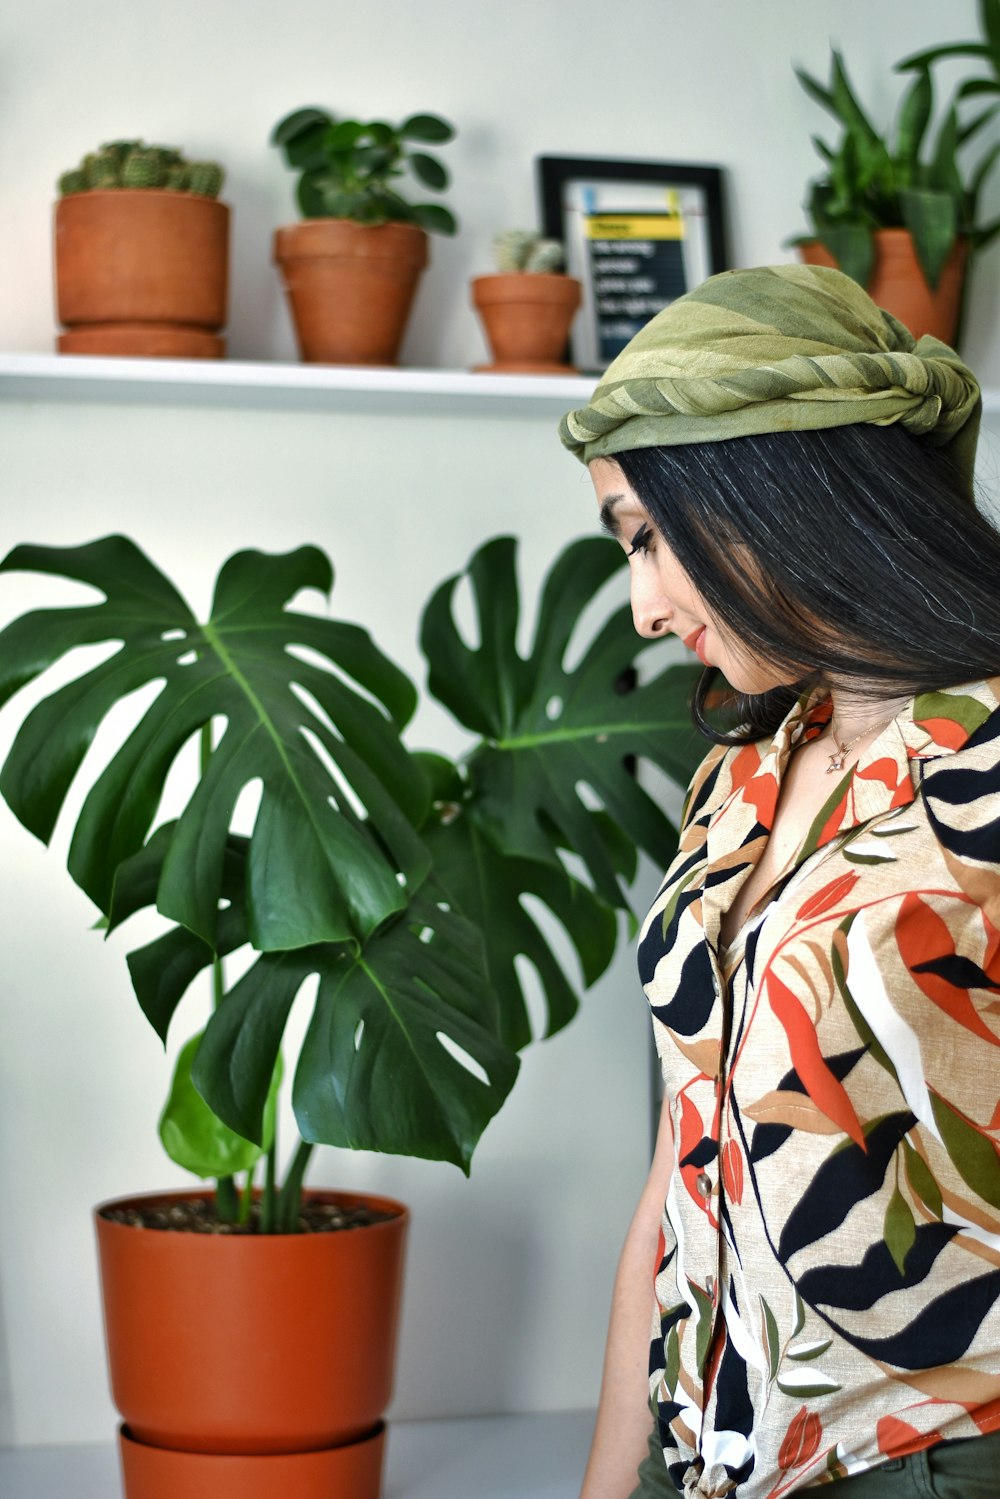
x: 493, y: 1457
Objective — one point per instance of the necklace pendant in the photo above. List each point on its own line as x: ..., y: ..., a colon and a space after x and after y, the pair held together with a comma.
x: 836, y: 763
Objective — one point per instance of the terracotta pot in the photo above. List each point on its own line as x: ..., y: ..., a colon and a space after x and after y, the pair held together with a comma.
x: 350, y: 287
x: 351, y: 1472
x: 154, y: 261
x: 249, y: 1346
x: 898, y: 284
x: 527, y: 319
x: 142, y: 341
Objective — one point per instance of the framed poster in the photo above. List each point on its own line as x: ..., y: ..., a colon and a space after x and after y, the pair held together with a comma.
x: 637, y: 234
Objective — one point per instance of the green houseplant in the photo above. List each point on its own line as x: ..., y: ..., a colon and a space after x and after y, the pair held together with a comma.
x: 527, y: 307
x: 351, y: 268
x: 897, y: 211
x: 395, y: 875
x: 142, y: 254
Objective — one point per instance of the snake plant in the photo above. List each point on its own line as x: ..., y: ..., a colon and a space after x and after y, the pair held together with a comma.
x: 910, y: 177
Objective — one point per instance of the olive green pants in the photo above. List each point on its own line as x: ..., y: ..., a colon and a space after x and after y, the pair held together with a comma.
x: 952, y: 1470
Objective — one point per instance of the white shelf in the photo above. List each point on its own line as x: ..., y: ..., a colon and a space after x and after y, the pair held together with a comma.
x: 247, y: 385
x: 299, y: 387
x: 497, y: 1457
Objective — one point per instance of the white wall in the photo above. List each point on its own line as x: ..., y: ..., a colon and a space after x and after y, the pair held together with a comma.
x: 510, y: 1273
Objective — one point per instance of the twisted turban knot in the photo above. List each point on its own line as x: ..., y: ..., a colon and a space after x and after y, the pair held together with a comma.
x: 775, y: 349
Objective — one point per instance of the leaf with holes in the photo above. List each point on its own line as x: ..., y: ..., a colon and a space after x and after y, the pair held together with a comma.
x: 318, y: 868
x: 404, y: 1051
x: 401, y: 1053
x: 550, y: 728
x: 489, y: 887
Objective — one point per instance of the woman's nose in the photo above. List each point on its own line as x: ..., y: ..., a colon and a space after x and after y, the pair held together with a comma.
x: 651, y: 610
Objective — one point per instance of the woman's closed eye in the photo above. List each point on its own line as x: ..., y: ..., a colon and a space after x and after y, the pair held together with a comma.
x: 642, y: 540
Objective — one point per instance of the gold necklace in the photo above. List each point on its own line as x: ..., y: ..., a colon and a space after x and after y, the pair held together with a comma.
x: 837, y: 758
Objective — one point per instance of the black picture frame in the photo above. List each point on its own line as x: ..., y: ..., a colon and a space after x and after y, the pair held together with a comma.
x: 664, y: 229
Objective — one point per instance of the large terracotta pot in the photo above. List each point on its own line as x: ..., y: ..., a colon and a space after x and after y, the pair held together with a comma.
x: 898, y: 283
x: 142, y: 272
x: 224, y: 1349
x: 350, y: 287
x: 527, y: 318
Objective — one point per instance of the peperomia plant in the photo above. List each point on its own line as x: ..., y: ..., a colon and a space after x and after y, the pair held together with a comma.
x: 897, y: 180
x: 396, y: 876
x: 349, y: 168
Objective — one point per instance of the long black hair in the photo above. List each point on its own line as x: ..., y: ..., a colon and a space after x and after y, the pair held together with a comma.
x: 851, y: 555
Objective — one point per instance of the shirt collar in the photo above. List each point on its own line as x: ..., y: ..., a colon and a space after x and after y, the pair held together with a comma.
x: 887, y: 773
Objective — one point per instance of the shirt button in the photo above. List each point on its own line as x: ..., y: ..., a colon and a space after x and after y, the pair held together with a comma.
x: 704, y: 1184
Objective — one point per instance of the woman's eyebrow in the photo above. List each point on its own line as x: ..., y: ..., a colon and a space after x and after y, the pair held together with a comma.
x: 609, y: 521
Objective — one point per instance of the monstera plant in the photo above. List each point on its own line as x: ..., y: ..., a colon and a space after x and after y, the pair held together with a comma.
x: 396, y: 875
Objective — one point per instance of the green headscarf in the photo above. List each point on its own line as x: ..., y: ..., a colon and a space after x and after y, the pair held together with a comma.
x: 774, y: 349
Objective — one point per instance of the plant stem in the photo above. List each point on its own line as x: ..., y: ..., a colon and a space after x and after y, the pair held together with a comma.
x: 268, y: 1200
x: 228, y: 1207
x: 227, y: 1202
x: 246, y: 1201
x: 291, y: 1193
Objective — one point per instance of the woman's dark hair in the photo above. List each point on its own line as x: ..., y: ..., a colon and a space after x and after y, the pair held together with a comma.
x: 853, y: 554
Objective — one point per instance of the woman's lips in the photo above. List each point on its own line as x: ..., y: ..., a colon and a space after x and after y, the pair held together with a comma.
x: 696, y: 642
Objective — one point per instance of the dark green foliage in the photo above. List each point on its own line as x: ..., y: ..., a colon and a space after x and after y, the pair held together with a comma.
x: 910, y: 178
x: 409, y: 885
x: 348, y: 167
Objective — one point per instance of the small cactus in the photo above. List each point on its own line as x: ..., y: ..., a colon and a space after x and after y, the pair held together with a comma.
x: 525, y: 250
x: 546, y: 257
x: 511, y: 248
x: 205, y: 178
x: 101, y: 170
x: 143, y: 169
x: 73, y: 182
x: 120, y: 149
x: 133, y: 164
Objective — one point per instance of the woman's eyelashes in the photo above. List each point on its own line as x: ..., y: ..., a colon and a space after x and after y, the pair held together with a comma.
x: 642, y: 540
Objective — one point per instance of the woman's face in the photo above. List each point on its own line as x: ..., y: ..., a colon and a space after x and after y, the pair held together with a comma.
x: 664, y: 599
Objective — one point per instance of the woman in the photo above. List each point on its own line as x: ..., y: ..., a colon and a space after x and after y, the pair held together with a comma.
x: 791, y: 476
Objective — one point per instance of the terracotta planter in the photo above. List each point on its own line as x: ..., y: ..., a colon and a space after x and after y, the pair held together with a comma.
x: 898, y: 285
x: 142, y: 272
x: 527, y: 318
x: 350, y: 287
x: 223, y: 1349
x: 351, y: 1472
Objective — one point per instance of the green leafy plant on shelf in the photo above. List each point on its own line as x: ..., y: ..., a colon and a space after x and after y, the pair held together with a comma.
x: 398, y: 877
x: 133, y: 164
x: 908, y: 178
x: 349, y: 168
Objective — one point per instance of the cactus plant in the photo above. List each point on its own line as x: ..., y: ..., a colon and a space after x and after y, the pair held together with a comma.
x: 204, y: 177
x: 524, y: 250
x: 133, y: 164
x: 143, y: 169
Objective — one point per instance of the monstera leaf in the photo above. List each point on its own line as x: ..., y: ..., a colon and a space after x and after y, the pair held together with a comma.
x: 557, y: 736
x: 401, y: 1054
x: 489, y: 886
x: 406, y: 885
x: 298, y: 728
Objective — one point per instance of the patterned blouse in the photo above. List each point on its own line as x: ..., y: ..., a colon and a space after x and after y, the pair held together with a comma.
x: 828, y: 1286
